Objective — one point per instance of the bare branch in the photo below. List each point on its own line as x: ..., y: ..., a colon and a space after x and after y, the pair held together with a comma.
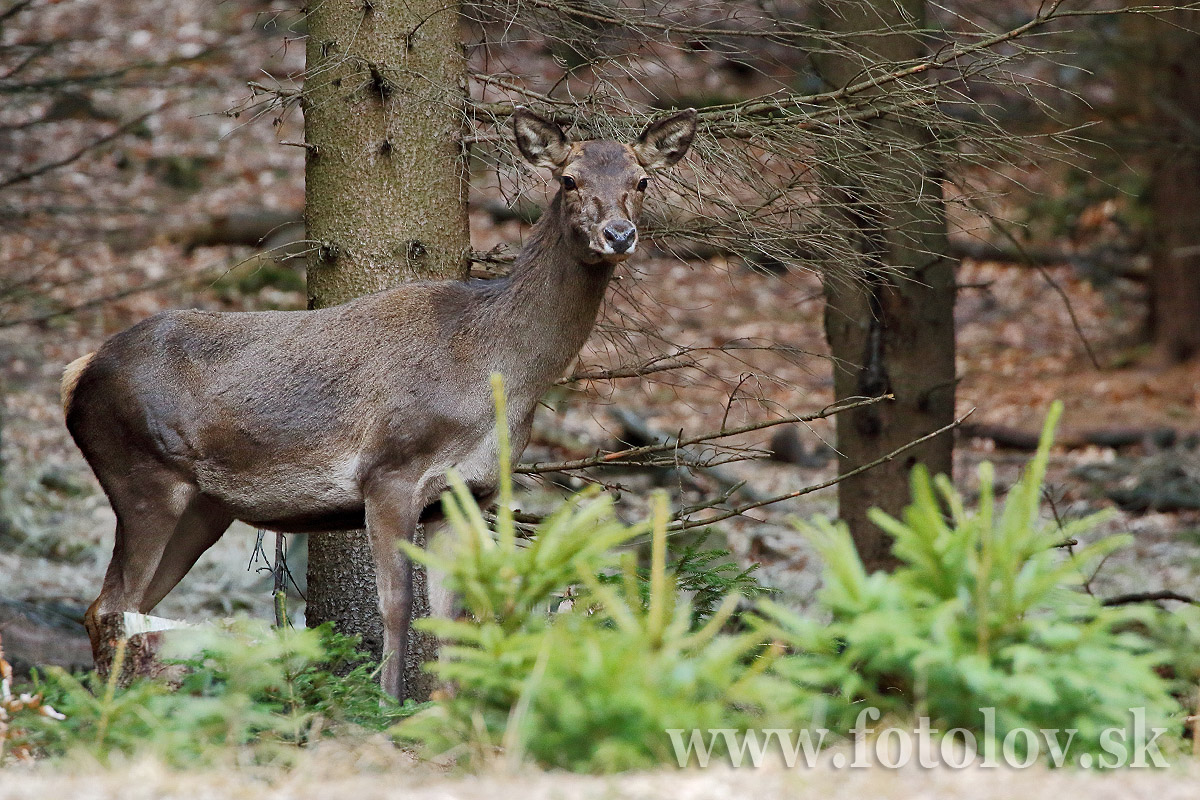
x: 104, y: 78
x: 681, y: 525
x: 80, y: 152
x: 1150, y: 597
x: 625, y: 372
x: 623, y: 456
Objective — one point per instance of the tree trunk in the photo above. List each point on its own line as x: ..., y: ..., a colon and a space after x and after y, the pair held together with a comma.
x: 891, y: 328
x: 1170, y: 115
x: 385, y: 203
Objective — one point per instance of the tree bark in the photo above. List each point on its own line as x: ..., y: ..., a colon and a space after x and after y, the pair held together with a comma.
x: 891, y: 328
x: 385, y: 203
x: 1170, y: 114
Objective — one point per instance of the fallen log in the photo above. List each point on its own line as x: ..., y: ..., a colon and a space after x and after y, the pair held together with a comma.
x: 41, y: 634
x: 1017, y: 439
x: 248, y: 226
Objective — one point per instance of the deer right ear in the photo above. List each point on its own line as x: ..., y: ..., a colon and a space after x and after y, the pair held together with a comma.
x: 541, y: 141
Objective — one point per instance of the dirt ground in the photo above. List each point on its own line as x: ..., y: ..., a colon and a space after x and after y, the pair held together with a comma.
x: 322, y: 780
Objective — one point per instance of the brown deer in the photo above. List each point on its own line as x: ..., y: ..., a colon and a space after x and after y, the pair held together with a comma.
x: 330, y: 419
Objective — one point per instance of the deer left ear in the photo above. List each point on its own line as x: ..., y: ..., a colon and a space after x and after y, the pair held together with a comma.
x: 666, y: 140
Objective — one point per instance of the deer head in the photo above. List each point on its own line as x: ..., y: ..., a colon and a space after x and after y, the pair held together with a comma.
x: 602, y: 183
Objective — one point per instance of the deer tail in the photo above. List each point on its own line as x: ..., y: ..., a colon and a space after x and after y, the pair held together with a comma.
x: 70, y: 379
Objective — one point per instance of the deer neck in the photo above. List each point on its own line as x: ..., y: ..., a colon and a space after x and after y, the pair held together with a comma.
x: 547, y: 307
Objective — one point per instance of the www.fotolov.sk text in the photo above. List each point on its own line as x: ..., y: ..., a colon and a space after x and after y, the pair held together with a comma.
x: 1133, y: 746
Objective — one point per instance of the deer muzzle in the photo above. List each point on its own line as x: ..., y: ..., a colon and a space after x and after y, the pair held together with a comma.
x: 620, y: 237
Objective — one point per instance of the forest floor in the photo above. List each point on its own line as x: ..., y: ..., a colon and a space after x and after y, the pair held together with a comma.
x: 351, y: 775
x: 126, y: 223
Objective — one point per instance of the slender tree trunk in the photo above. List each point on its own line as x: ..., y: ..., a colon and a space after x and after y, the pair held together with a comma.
x: 891, y: 329
x: 385, y: 203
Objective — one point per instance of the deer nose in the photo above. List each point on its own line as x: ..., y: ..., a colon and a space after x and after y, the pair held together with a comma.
x: 621, y: 234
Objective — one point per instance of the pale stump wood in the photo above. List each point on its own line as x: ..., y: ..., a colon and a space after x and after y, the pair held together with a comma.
x: 143, y: 636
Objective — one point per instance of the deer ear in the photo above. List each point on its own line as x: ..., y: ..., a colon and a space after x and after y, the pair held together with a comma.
x: 541, y: 141
x: 665, y: 140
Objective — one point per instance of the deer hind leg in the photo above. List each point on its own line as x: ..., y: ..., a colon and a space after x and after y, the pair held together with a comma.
x: 392, y: 513
x: 112, y: 593
x: 199, y: 527
x: 440, y: 537
x: 148, y: 505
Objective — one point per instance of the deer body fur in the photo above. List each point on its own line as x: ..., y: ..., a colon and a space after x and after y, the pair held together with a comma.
x: 337, y: 418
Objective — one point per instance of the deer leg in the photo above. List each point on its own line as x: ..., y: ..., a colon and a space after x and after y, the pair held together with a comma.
x: 112, y: 593
x: 439, y: 535
x: 199, y: 527
x: 148, y: 508
x: 392, y: 515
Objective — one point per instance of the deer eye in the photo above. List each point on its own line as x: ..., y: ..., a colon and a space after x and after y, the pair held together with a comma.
x: 642, y: 184
x: 568, y: 182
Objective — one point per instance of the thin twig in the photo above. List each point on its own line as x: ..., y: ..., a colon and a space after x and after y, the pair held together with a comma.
x: 682, y: 525
x: 79, y: 153
x: 1150, y: 597
x: 602, y: 459
x: 625, y: 372
x: 1030, y: 261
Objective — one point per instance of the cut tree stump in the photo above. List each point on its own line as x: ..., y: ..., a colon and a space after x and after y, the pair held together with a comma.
x: 143, y: 636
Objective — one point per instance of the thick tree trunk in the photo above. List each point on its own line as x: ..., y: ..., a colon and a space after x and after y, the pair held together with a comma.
x: 1170, y: 106
x: 385, y: 203
x: 891, y: 329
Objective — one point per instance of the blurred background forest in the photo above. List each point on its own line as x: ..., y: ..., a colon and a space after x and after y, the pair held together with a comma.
x: 152, y: 157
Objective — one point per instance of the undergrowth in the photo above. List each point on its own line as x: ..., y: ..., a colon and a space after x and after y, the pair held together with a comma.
x: 985, y: 617
x: 249, y: 693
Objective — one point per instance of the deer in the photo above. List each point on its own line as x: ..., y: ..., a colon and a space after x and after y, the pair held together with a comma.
x: 354, y: 415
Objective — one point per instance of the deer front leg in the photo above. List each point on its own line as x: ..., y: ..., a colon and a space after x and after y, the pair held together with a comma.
x: 392, y: 513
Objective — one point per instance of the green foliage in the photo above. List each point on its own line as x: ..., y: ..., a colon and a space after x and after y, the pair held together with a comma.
x: 708, y: 575
x: 982, y: 614
x: 248, y: 692
x: 1177, y: 633
x: 99, y: 718
x: 342, y: 688
x: 592, y: 687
